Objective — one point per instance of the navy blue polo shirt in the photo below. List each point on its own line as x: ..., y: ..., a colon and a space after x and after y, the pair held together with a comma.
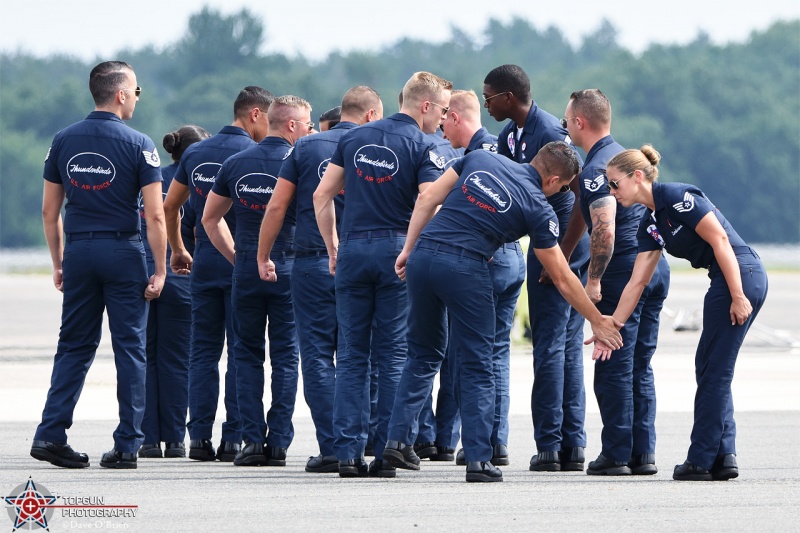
x: 304, y: 168
x: 494, y: 201
x: 384, y: 163
x: 102, y: 164
x: 679, y: 208
x: 444, y: 150
x: 187, y: 223
x: 594, y: 186
x: 249, y: 179
x: 482, y: 140
x: 540, y: 128
x: 199, y: 166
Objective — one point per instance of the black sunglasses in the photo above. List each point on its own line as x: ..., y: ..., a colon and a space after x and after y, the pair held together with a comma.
x: 613, y: 185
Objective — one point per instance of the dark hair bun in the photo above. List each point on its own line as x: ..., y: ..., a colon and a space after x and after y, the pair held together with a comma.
x: 171, y: 141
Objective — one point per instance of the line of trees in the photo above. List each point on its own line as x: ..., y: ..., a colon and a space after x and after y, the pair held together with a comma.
x: 726, y: 118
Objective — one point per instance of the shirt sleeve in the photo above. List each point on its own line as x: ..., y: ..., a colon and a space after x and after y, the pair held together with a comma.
x: 688, y: 205
x: 289, y: 170
x: 431, y: 166
x: 51, y: 165
x: 149, y: 163
x: 648, y: 237
x: 220, y: 186
x: 543, y: 227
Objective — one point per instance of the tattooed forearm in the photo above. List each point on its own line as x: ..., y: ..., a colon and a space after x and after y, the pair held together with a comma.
x: 601, y: 245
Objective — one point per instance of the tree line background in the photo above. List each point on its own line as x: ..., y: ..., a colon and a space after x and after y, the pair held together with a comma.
x: 726, y: 118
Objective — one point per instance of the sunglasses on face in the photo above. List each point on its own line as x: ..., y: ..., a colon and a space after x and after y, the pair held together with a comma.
x: 613, y: 185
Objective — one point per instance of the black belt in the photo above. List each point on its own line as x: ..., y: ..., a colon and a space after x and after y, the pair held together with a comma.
x: 428, y: 244
x: 376, y: 234
x: 101, y: 235
x: 311, y: 253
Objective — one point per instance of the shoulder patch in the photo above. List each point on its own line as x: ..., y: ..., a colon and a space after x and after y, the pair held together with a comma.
x: 439, y: 161
x: 48, y: 154
x: 288, y: 152
x: 489, y: 147
x: 686, y: 205
x: 594, y: 185
x: 152, y: 158
x: 553, y: 225
x: 654, y: 233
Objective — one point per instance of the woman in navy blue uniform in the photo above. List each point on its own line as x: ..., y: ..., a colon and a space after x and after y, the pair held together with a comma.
x: 682, y: 220
x: 169, y: 324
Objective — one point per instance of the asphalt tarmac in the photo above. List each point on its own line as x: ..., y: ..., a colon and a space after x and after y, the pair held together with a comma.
x: 183, y: 495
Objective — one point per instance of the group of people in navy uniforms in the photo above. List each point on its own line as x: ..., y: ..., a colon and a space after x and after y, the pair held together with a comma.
x: 372, y: 256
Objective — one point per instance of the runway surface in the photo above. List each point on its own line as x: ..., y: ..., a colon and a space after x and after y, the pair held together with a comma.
x: 183, y: 495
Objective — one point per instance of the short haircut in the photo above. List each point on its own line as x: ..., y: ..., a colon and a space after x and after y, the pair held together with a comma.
x: 592, y: 104
x: 424, y: 86
x: 250, y: 97
x: 285, y: 108
x: 106, y: 79
x: 512, y: 79
x: 176, y: 142
x: 359, y: 100
x: 559, y: 159
x: 333, y: 115
x: 466, y: 104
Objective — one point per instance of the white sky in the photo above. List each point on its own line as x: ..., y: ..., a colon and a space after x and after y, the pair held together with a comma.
x: 92, y: 29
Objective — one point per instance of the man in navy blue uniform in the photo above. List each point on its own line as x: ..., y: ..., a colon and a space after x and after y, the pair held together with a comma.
x: 313, y: 292
x: 100, y: 165
x: 624, y: 384
x: 244, y: 185
x: 485, y: 200
x: 463, y: 128
x: 425, y: 444
x: 382, y: 166
x: 558, y: 399
x: 211, y: 276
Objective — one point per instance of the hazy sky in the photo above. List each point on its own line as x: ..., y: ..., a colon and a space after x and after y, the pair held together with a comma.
x: 92, y: 29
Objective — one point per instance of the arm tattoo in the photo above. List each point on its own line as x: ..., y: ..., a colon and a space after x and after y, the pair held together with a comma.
x: 601, y: 245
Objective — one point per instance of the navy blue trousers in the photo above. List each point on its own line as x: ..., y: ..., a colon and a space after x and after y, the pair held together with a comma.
x: 507, y: 269
x: 644, y: 389
x: 558, y: 397
x: 169, y: 326
x: 212, y: 323
x: 367, y: 291
x: 100, y: 273
x: 439, y: 281
x: 264, y: 308
x: 714, y: 430
x: 314, y: 298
